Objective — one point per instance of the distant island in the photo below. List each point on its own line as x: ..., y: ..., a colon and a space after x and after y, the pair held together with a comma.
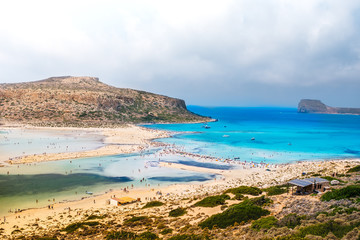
x: 85, y: 101
x: 316, y: 106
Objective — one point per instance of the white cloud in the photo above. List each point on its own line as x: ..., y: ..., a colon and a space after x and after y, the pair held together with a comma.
x: 167, y: 46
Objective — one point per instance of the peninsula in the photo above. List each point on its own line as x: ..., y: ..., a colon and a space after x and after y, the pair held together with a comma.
x: 85, y: 101
x: 316, y: 106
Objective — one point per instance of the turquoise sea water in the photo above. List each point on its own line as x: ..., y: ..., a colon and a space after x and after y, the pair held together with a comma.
x: 281, y: 134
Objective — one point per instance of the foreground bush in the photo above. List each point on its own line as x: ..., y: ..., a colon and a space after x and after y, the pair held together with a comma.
x: 212, y: 201
x: 74, y: 226
x: 245, y: 190
x: 238, y: 213
x: 189, y: 237
x: 264, y: 223
x: 343, y: 193
x: 323, y: 229
x: 124, y: 235
x: 153, y: 204
x: 290, y: 221
x: 135, y: 221
x: 275, y: 190
x: 177, y: 212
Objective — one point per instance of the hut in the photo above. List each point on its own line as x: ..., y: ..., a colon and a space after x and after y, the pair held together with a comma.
x: 121, y: 201
x: 310, y: 185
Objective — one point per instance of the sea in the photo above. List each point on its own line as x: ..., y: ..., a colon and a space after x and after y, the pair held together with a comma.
x: 258, y: 135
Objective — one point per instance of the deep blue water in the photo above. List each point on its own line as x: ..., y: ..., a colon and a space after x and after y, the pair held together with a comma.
x: 281, y: 134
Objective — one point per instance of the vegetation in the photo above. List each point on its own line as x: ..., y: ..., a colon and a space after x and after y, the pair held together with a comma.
x: 177, y: 212
x: 189, y: 237
x: 153, y: 204
x: 239, y: 213
x: 354, y: 169
x: 264, y: 223
x: 343, y: 193
x: 139, y: 220
x: 74, y: 226
x: 290, y: 221
x: 212, y: 201
x: 245, y: 190
x: 124, y: 235
x: 323, y: 229
x: 275, y: 190
x: 166, y: 231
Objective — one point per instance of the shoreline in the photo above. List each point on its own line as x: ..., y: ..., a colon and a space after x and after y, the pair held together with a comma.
x: 174, y: 193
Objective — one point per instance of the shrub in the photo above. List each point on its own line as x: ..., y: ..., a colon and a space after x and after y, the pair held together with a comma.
x: 135, y: 221
x: 291, y: 221
x: 177, y: 212
x: 242, y: 212
x: 212, y: 201
x: 153, y: 204
x: 332, y: 178
x: 264, y: 223
x: 258, y: 201
x: 189, y: 237
x: 166, y: 231
x: 74, y: 226
x: 245, y: 190
x: 275, y: 190
x: 343, y: 193
x: 91, y: 217
x: 354, y: 169
x: 323, y: 229
x: 121, y: 235
x: 147, y: 236
x: 238, y: 196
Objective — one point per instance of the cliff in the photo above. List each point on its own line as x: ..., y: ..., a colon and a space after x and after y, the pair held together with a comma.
x: 316, y: 106
x: 85, y: 101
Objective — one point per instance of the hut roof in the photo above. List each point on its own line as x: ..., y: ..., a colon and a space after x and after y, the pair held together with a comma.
x: 307, y: 181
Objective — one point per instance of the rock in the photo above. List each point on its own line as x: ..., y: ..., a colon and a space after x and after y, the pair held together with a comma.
x: 316, y: 106
x: 334, y: 182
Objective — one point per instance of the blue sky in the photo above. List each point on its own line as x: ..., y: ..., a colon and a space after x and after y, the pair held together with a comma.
x: 233, y: 53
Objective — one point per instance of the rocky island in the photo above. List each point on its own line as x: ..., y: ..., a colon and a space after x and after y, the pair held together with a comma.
x: 85, y: 101
x: 316, y: 106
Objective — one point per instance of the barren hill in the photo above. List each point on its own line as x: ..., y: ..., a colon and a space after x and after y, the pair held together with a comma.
x: 85, y: 101
x: 316, y: 106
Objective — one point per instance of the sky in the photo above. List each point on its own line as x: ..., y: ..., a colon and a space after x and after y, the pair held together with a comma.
x: 210, y: 53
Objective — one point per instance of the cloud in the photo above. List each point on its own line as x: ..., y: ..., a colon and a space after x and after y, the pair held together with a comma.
x: 208, y: 52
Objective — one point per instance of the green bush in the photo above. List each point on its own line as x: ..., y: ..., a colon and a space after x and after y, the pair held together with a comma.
x: 135, y: 221
x: 177, y: 212
x: 258, y: 201
x: 238, y: 196
x: 166, y: 231
x: 242, y: 212
x: 354, y: 169
x: 153, y: 204
x: 74, y: 226
x: 245, y: 190
x: 147, y: 236
x: 343, y: 193
x: 275, y: 190
x: 264, y: 223
x: 331, y: 178
x: 123, y: 235
x: 212, y: 201
x: 323, y: 229
x: 189, y: 237
x: 291, y: 221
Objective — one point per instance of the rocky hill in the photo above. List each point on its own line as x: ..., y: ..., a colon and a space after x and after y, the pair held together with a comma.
x: 316, y: 106
x: 85, y: 101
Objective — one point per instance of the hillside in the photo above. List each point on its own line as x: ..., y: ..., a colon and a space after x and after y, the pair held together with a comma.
x: 316, y: 106
x: 85, y: 101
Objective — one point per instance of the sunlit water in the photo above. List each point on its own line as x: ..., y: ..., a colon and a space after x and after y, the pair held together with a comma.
x: 272, y: 135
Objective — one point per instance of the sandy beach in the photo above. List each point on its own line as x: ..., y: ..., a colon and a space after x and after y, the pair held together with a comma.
x: 40, y: 220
